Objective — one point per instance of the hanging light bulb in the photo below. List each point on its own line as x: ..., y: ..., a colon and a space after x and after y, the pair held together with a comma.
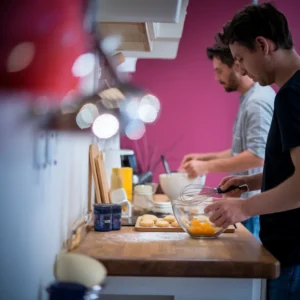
x: 87, y: 115
x: 135, y: 129
x: 147, y: 113
x: 84, y: 65
x: 151, y: 100
x: 105, y: 126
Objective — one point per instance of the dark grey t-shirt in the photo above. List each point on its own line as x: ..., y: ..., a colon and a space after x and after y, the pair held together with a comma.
x: 252, y: 124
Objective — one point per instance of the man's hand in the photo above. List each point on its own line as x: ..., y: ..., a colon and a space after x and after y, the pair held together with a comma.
x: 196, y: 168
x: 187, y: 158
x: 229, y: 181
x: 227, y: 211
x: 203, y: 157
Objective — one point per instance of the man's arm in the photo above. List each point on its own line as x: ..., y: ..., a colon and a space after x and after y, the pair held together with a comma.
x: 257, y: 124
x: 284, y: 197
x: 258, y: 120
x: 223, y: 154
x: 213, y: 155
x: 203, y: 157
x: 254, y: 183
x: 238, y: 163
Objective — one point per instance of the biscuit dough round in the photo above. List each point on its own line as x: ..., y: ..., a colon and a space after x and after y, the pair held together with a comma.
x: 175, y: 224
x: 170, y: 218
x: 147, y: 223
x: 159, y: 219
x: 162, y: 224
x: 149, y: 217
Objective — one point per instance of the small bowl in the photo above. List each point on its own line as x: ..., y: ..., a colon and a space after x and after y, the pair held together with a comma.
x: 192, y: 218
x: 172, y: 184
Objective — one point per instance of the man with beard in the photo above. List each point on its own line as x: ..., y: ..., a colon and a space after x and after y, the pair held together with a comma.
x: 252, y: 124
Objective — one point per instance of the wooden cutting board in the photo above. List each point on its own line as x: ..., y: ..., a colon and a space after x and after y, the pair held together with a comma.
x: 156, y: 229
x: 93, y: 153
x: 137, y: 227
x: 102, y: 179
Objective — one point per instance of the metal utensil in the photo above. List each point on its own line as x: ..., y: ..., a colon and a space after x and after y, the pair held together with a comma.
x: 166, y: 165
x: 196, y: 192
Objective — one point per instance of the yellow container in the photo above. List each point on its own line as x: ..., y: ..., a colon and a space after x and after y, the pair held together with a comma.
x: 122, y: 178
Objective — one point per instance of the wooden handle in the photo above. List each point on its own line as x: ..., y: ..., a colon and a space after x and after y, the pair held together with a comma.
x: 90, y: 186
x: 102, y: 179
x: 93, y: 153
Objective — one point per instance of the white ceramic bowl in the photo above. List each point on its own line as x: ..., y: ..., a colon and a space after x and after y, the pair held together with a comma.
x: 172, y: 184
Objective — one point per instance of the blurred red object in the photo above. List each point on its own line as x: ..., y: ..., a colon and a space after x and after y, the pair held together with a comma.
x: 40, y: 41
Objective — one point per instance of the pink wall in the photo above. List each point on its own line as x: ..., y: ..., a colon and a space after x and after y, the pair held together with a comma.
x: 197, y: 114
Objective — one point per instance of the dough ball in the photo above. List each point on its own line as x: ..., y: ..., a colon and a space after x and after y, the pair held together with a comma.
x: 149, y: 217
x: 159, y: 219
x: 162, y: 223
x: 147, y: 223
x: 170, y: 218
x: 175, y: 224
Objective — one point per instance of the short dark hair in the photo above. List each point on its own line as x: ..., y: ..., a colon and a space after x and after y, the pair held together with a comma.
x: 223, y: 53
x: 257, y: 20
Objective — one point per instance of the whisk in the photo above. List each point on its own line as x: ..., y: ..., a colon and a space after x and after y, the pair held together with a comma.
x: 197, y: 192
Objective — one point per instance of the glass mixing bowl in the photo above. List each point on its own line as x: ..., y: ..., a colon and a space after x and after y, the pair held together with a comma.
x: 192, y: 218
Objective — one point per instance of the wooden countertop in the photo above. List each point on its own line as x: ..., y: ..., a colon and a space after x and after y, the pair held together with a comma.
x: 131, y: 253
